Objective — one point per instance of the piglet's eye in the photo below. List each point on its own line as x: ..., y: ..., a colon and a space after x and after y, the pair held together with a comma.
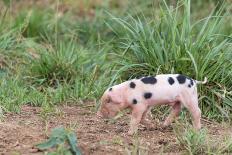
x: 109, y: 100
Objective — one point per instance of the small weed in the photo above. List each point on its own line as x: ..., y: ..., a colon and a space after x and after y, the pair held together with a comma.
x: 117, y: 140
x: 137, y: 147
x: 1, y: 114
x: 47, y: 111
x: 63, y: 140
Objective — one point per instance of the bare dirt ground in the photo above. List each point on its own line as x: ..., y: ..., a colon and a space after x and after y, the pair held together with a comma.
x: 19, y: 133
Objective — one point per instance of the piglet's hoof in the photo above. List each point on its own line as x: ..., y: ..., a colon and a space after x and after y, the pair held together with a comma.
x: 166, y: 127
x: 147, y: 123
x: 129, y: 133
x: 124, y: 135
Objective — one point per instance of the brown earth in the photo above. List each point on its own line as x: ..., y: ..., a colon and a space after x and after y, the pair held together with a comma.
x: 19, y: 133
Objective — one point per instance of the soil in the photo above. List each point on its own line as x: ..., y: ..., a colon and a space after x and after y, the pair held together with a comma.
x: 19, y: 133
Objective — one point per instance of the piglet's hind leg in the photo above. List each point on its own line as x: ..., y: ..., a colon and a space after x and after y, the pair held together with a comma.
x: 191, y: 103
x: 176, y: 108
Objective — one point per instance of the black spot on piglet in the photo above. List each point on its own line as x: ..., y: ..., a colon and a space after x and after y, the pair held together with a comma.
x: 191, y: 82
x: 181, y: 79
x: 171, y: 81
x: 149, y: 80
x: 132, y: 85
x: 147, y: 95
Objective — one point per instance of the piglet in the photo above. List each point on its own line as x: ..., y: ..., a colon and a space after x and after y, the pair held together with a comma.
x: 141, y: 94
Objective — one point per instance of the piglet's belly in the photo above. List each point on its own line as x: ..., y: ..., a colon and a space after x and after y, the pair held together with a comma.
x: 168, y: 101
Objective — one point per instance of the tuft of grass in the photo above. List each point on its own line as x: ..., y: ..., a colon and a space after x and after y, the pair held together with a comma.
x: 58, y: 64
x: 192, y: 141
x: 201, y: 142
x: 36, y: 97
x: 13, y: 94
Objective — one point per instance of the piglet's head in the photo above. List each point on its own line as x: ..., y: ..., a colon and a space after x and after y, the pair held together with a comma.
x: 109, y: 105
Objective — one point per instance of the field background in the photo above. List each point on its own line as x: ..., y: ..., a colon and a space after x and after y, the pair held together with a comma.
x: 56, y: 53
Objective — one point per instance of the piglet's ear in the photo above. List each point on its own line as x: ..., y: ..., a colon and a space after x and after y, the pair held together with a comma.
x: 116, y: 102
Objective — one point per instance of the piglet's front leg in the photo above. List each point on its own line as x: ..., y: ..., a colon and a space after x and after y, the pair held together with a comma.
x: 137, y: 113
